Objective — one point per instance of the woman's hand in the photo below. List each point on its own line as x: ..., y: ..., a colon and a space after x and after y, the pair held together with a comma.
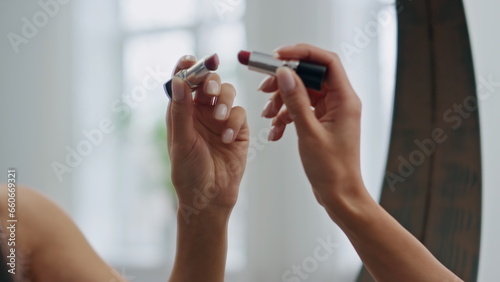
x: 329, y: 138
x: 327, y: 121
x: 207, y: 143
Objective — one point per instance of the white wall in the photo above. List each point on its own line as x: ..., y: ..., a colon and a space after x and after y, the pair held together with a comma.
x: 484, y: 25
x: 36, y: 98
x: 36, y: 124
x: 285, y: 219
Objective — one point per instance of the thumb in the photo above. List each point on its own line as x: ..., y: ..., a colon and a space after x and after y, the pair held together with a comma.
x: 296, y: 99
x: 181, y: 113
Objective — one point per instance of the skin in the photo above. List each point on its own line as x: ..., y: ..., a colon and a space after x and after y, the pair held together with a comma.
x: 54, y: 249
x: 329, y: 145
x: 208, y: 154
x: 203, y: 160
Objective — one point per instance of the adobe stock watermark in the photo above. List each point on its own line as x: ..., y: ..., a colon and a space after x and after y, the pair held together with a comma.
x: 454, y: 117
x: 123, y: 275
x: 258, y: 143
x: 122, y: 108
x: 321, y: 253
x: 364, y: 36
x: 454, y: 280
x: 31, y: 26
x: 201, y: 197
x: 222, y: 7
x: 201, y: 200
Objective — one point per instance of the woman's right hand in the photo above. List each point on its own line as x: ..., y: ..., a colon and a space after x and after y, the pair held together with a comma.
x: 207, y: 143
x: 329, y: 139
x: 329, y: 134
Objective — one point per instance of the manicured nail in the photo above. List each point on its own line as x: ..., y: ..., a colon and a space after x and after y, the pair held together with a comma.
x: 265, y: 83
x: 272, y: 134
x: 212, y: 88
x: 228, y: 136
x: 188, y: 58
x: 220, y: 112
x: 284, y: 47
x: 213, y: 101
x: 267, y: 108
x: 177, y: 89
x: 286, y: 81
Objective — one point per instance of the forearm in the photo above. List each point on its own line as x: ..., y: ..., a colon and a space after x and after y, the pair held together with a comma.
x: 389, y: 252
x: 201, y: 246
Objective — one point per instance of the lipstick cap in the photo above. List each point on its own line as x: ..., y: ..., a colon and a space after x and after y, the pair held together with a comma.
x: 312, y: 75
x: 168, y: 88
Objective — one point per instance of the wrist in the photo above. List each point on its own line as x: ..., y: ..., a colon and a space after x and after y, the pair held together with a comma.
x: 350, y: 203
x: 201, y: 245
x: 192, y: 215
x: 211, y: 199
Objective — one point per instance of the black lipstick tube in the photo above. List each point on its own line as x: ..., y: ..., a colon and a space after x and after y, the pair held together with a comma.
x: 312, y: 75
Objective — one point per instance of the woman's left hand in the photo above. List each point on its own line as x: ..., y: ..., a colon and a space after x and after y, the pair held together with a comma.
x: 207, y: 143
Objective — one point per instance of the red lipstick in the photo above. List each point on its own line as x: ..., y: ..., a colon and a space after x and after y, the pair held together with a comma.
x: 312, y: 75
x: 195, y: 74
x: 244, y: 57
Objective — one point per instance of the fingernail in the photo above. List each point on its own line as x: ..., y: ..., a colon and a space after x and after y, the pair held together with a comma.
x: 188, y: 58
x: 213, y: 101
x: 279, y: 49
x: 286, y: 81
x: 212, y: 87
x: 220, y: 112
x: 265, y: 83
x: 267, y: 108
x: 228, y: 136
x: 177, y: 89
x: 272, y: 134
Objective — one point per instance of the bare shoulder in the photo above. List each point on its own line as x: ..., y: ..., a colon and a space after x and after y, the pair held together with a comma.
x: 33, y: 206
x: 20, y: 193
x: 20, y: 202
x: 13, y: 200
x: 55, y: 247
x: 31, y: 209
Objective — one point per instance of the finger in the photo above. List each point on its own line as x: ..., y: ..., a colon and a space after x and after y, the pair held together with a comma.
x: 280, y: 122
x: 268, y: 85
x: 273, y: 106
x: 337, y: 79
x: 279, y: 125
x: 236, y: 122
x: 209, y: 91
x: 224, y: 102
x: 283, y: 118
x: 184, y: 62
x: 276, y: 133
x: 296, y: 99
x: 168, y: 120
x: 181, y: 113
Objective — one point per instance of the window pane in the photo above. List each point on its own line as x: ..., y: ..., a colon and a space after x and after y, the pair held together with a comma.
x: 161, y: 50
x: 222, y: 10
x: 227, y: 40
x: 143, y: 14
x: 152, y: 58
x: 143, y: 163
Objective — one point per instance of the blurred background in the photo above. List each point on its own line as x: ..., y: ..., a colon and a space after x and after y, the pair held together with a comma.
x: 82, y: 116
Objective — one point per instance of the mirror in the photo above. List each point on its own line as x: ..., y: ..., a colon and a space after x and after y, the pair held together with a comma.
x: 83, y: 109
